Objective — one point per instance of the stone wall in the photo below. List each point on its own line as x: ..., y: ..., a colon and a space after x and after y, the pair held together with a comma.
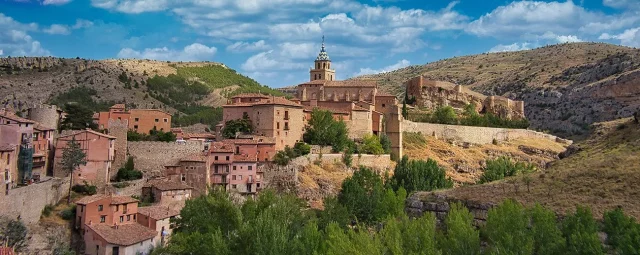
x: 119, y: 129
x: 315, y: 149
x: 151, y: 157
x: 27, y: 202
x: 46, y: 115
x: 377, y: 162
x: 134, y: 188
x: 439, y: 204
x: 475, y: 135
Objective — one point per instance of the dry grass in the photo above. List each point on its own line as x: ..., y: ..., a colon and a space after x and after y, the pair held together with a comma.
x: 317, y: 182
x: 604, y: 175
x: 464, y: 165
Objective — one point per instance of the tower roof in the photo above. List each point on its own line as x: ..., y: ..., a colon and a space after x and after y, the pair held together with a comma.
x: 323, y: 56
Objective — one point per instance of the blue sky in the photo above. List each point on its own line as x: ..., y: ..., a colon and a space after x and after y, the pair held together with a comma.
x: 276, y: 41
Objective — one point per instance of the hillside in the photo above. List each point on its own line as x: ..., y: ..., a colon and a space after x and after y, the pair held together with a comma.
x: 565, y: 87
x: 601, y: 172
x: 187, y: 88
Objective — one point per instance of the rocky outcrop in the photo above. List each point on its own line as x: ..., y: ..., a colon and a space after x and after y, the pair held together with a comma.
x: 439, y: 204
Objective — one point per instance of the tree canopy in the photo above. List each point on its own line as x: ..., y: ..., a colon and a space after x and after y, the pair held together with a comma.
x: 323, y: 130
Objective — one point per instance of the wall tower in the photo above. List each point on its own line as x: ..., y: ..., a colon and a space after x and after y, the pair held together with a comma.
x: 322, y: 67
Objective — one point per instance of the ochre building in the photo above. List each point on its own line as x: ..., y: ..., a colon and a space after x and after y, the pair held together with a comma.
x: 140, y: 120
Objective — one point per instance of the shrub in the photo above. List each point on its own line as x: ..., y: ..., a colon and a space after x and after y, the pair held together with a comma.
x: 85, y: 189
x: 347, y: 158
x: 503, y: 167
x: 68, y: 213
x: 232, y: 127
x: 371, y: 145
x: 323, y: 130
x: 581, y: 233
x: 302, y: 149
x: 128, y: 172
x: 623, y: 233
x: 46, y: 211
x: 418, y: 175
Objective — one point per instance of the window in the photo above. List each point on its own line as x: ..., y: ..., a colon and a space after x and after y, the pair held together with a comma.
x: 117, y: 208
x: 215, y: 158
x: 383, y: 105
x: 240, y: 177
x: 103, y: 218
x: 183, y: 177
x: 286, y: 126
x: 119, y: 118
x: 165, y: 120
x: 277, y: 125
x: 129, y: 217
x: 99, y: 208
x: 81, y: 208
x: 135, y: 127
x: 233, y: 177
x: 121, y: 218
x: 137, y: 119
x: 97, y: 248
x: 233, y: 186
x: 250, y: 168
x: 234, y: 167
x: 157, y: 120
x: 134, y: 217
x: 227, y: 158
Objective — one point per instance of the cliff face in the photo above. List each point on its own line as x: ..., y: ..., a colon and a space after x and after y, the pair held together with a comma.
x: 565, y: 87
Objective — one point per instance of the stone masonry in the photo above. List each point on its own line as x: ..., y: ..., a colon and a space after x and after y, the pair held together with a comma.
x: 151, y: 157
x: 27, y: 202
x: 439, y: 204
x: 119, y: 128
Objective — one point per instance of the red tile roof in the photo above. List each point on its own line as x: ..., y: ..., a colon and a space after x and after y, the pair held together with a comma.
x: 195, y: 158
x: 16, y: 118
x: 89, y: 131
x: 158, y: 212
x: 6, y: 251
x: 7, y: 147
x: 250, y: 95
x: 245, y: 158
x: 91, y: 199
x: 165, y: 184
x: 197, y: 135
x: 360, y: 109
x: 118, y: 106
x: 124, y: 235
x: 145, y: 110
x: 384, y: 94
x: 270, y: 100
x: 221, y: 147
x: 40, y: 127
x: 122, y: 200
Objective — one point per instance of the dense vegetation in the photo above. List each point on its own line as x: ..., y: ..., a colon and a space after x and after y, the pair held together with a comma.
x: 154, y: 135
x: 217, y: 76
x: 323, y: 130
x: 447, y: 115
x: 368, y: 218
x: 283, y: 157
x: 418, y: 175
x: 83, y: 96
x: 128, y: 172
x: 79, y: 117
x: 502, y: 167
x: 85, y: 189
x: 232, y: 127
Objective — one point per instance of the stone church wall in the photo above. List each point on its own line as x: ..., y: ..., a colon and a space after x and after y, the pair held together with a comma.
x: 151, y: 157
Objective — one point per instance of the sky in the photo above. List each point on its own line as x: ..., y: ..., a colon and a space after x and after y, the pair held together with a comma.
x: 276, y: 41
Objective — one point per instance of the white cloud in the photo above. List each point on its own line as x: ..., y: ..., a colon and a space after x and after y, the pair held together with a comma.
x: 248, y: 46
x: 81, y: 23
x: 55, y: 2
x: 57, y: 29
x: 1, y: 52
x: 630, y: 37
x: 400, y: 64
x: 560, y: 38
x: 511, y: 47
x: 631, y: 4
x: 268, y: 61
x: 193, y: 52
x: 16, y: 41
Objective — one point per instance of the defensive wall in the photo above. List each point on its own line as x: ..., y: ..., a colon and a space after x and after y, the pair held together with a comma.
x: 133, y: 188
x: 27, y: 202
x: 151, y: 157
x: 118, y: 128
x: 475, y: 135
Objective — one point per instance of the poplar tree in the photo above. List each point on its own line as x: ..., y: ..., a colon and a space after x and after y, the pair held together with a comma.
x: 73, y: 156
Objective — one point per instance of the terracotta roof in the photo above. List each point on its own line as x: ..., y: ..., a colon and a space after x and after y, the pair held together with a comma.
x: 221, y: 147
x: 250, y: 95
x: 122, y: 200
x: 6, y: 251
x: 267, y: 101
x: 165, y: 184
x: 144, y: 110
x: 197, y: 135
x: 157, y: 212
x: 176, y: 130
x: 7, y: 147
x: 309, y: 108
x: 91, y: 199
x: 40, y: 127
x: 195, y: 158
x: 124, y: 235
x: 90, y: 131
x: 245, y: 158
x: 14, y: 117
x: 119, y: 106
x: 345, y: 83
x: 251, y: 139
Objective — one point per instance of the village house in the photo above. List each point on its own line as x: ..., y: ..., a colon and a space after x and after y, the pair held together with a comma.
x: 43, y: 150
x: 158, y: 218
x: 193, y: 170
x: 100, y: 152
x: 140, y: 120
x: 167, y: 192
x: 8, y: 167
x: 106, y: 209
x: 126, y: 239
x: 18, y: 132
x: 234, y: 166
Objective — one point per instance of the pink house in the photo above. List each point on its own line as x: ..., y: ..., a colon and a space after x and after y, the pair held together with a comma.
x: 100, y: 153
x: 235, y: 166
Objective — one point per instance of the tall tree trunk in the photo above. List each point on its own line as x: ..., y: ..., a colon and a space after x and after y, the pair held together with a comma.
x: 70, y: 185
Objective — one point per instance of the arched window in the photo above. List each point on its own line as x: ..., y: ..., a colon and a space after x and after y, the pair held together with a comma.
x: 324, y: 65
x: 318, y: 66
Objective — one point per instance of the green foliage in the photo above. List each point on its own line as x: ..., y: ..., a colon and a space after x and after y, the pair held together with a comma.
x: 323, y: 130
x: 79, y: 117
x: 469, y: 117
x: 14, y: 232
x: 285, y: 156
x: 445, y: 115
x: 128, y: 172
x: 72, y: 157
x: 68, y: 213
x: 198, y: 114
x: 503, y: 167
x: 217, y: 76
x: 507, y: 229
x: 460, y: 236
x: 581, y: 233
x: 371, y: 145
x: 154, y: 135
x: 623, y: 232
x: 418, y: 175
x: 546, y: 234
x: 365, y: 197
x: 46, y: 211
x: 83, y: 96
x: 85, y: 189
x: 385, y: 141
x: 302, y: 149
x: 405, y: 111
x: 347, y: 158
x: 232, y: 127
x: 176, y: 91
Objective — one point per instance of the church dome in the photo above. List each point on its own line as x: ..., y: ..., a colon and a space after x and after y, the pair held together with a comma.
x: 323, y: 56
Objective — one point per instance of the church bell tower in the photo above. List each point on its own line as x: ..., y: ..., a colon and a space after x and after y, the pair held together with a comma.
x: 322, y: 67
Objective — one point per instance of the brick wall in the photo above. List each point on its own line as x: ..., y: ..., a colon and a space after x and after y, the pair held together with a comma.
x: 28, y: 201
x: 475, y: 135
x: 151, y: 157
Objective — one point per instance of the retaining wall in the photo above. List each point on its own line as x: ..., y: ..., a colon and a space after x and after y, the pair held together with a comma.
x: 151, y: 157
x: 475, y: 135
x: 27, y: 202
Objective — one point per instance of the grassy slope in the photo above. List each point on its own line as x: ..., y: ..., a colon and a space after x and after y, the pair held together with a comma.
x: 604, y: 174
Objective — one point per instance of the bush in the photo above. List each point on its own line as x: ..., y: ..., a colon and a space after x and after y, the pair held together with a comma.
x: 285, y: 156
x: 69, y: 213
x: 232, y: 127
x: 154, y: 135
x: 46, y: 211
x: 128, y: 172
x: 371, y: 145
x: 418, y: 175
x: 323, y: 130
x: 503, y: 167
x: 85, y: 189
x: 623, y: 233
x: 347, y: 158
x: 302, y: 149
x: 581, y: 233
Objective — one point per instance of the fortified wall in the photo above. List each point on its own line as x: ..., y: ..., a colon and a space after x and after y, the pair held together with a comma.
x: 432, y: 94
x: 420, y: 203
x: 27, y: 202
x: 47, y: 115
x: 118, y: 128
x: 151, y: 157
x: 475, y: 135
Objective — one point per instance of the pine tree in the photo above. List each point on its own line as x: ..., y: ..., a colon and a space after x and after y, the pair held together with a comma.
x: 72, y: 157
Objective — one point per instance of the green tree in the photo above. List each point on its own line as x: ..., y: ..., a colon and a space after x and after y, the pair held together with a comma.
x: 419, y: 235
x: 460, y: 236
x: 503, y: 167
x: 623, y: 233
x: 418, y: 175
x: 546, y: 234
x: 581, y: 233
x: 405, y: 112
x: 445, y: 115
x: 301, y: 149
x: 73, y: 156
x: 322, y: 129
x: 507, y: 229
x: 78, y: 117
x: 386, y: 143
x: 232, y: 127
x: 366, y: 199
x: 371, y: 145
x: 128, y: 172
x: 14, y: 232
x: 333, y: 211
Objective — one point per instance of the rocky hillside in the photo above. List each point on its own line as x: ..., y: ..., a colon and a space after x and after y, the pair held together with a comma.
x: 565, y: 87
x: 180, y: 87
x: 601, y: 172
